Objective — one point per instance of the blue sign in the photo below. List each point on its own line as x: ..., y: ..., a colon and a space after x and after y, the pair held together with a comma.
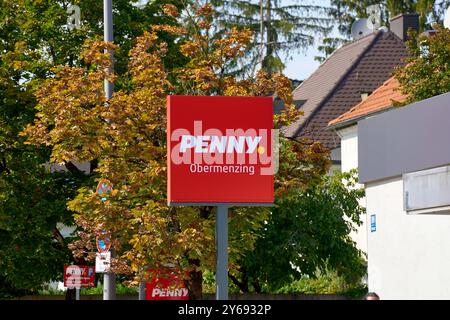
x: 102, y: 245
x: 103, y: 241
x: 373, y: 223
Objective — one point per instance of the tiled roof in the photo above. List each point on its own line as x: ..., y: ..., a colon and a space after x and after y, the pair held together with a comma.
x: 336, y: 86
x: 382, y: 98
x: 314, y: 89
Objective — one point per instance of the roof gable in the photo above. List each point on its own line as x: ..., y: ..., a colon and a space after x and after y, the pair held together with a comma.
x: 336, y: 86
x: 324, y: 80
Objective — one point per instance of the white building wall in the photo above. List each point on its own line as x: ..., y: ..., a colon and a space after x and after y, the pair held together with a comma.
x: 409, y: 255
x: 349, y: 148
x: 349, y: 160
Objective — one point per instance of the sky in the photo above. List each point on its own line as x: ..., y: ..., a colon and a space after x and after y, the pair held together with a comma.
x: 303, y: 64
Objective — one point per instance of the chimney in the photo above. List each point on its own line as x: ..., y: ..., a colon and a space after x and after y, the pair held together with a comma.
x: 402, y: 23
x: 364, y: 95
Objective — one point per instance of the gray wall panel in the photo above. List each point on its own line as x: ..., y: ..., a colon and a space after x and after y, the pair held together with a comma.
x: 407, y: 139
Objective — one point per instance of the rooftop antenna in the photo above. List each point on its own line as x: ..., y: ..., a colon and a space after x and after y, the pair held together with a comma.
x: 361, y: 28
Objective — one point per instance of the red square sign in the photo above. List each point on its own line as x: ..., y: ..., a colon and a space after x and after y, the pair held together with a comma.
x: 166, y: 285
x: 79, y: 276
x: 220, y: 149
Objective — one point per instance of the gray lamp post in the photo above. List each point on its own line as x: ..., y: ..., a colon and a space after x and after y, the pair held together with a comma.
x: 109, y: 278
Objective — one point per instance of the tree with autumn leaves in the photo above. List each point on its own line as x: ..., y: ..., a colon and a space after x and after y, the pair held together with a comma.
x: 125, y: 136
x: 34, y: 38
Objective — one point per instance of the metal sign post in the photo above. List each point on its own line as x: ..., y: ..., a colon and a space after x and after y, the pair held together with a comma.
x: 109, y: 286
x: 222, y: 252
x: 108, y: 37
x: 142, y: 290
x: 222, y: 241
x: 109, y: 278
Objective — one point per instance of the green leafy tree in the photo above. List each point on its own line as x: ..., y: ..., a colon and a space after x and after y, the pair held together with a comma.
x: 32, y: 200
x: 34, y: 38
x: 41, y: 26
x: 427, y: 72
x: 307, y: 231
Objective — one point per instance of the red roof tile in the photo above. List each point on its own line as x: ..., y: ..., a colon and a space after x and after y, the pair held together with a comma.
x: 382, y: 98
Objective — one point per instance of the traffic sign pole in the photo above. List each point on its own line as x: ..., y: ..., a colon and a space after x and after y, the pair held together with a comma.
x: 109, y: 278
x: 142, y: 290
x: 222, y: 252
x: 109, y: 286
x: 108, y: 37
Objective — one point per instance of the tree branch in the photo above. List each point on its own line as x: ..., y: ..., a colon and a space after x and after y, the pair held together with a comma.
x: 73, y: 168
x: 58, y: 236
x: 242, y: 286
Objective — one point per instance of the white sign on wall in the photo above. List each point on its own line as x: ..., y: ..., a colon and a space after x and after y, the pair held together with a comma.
x: 427, y: 191
x: 102, y: 262
x: 373, y: 223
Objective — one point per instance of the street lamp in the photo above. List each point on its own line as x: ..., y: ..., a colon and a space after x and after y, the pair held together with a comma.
x: 109, y: 278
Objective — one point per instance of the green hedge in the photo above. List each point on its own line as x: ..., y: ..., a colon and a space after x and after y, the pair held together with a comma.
x: 98, y: 290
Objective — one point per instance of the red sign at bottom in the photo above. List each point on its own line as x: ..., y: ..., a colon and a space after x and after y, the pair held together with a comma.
x: 166, y: 285
x: 79, y: 276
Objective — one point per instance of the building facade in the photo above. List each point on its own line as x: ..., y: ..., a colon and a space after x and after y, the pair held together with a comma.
x: 404, y: 164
